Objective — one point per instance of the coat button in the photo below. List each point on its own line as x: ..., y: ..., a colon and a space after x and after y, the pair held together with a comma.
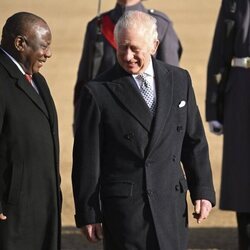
x: 129, y: 136
x: 179, y: 128
x: 173, y: 158
x: 149, y: 192
x: 177, y: 187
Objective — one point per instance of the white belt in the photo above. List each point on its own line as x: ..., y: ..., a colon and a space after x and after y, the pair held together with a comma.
x: 241, y: 62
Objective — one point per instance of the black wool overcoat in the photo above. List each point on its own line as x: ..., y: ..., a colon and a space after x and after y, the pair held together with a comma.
x: 235, y: 184
x: 29, y: 151
x: 127, y: 171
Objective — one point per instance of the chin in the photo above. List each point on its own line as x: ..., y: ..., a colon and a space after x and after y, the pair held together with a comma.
x: 132, y: 70
x: 36, y: 70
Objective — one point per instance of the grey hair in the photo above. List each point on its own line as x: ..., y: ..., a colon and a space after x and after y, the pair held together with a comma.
x: 143, y: 23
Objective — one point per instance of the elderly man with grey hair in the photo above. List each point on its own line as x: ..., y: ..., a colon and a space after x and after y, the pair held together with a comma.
x: 99, y: 49
x: 139, y: 146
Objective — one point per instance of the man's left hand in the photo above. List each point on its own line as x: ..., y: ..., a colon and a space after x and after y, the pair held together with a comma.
x: 202, y: 209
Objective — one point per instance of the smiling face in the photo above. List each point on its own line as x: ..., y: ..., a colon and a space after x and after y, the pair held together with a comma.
x: 133, y: 51
x: 34, y: 47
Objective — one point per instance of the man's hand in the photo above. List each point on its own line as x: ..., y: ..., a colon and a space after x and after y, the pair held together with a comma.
x: 93, y: 232
x: 215, y: 127
x: 202, y: 209
x: 2, y: 217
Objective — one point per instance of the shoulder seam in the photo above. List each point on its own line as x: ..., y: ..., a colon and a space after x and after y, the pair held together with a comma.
x: 159, y: 14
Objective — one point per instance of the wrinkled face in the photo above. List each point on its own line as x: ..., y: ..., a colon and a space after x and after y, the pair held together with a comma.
x: 35, y: 48
x: 133, y: 51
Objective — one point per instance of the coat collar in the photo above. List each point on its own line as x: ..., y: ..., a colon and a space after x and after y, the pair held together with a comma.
x: 119, y: 10
x: 22, y: 84
x: 124, y: 87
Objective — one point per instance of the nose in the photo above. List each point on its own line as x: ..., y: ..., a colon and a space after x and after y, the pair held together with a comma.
x: 128, y: 55
x: 48, y: 52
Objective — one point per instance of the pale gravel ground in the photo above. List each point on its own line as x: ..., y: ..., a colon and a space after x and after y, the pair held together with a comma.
x: 194, y: 21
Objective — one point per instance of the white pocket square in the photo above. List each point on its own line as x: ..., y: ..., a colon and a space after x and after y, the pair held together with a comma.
x: 182, y: 104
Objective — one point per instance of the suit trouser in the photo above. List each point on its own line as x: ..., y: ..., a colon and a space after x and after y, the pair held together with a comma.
x: 243, y: 220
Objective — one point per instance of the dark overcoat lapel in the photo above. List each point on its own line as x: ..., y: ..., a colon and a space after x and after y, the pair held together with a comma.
x: 49, y: 110
x: 37, y: 99
x: 22, y: 82
x: 46, y: 98
x: 164, y: 93
x: 126, y: 91
x: 42, y: 100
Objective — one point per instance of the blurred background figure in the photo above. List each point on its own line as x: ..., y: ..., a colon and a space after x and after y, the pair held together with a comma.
x: 99, y: 49
x: 30, y: 201
x: 228, y: 108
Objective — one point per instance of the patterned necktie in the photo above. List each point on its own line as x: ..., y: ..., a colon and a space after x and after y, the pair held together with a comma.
x: 147, y: 92
x: 29, y: 79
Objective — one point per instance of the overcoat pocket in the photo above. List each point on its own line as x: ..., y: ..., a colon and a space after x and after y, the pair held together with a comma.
x: 15, y: 183
x: 117, y: 189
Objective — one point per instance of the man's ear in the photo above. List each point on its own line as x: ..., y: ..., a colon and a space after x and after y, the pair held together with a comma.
x: 155, y: 47
x: 19, y: 43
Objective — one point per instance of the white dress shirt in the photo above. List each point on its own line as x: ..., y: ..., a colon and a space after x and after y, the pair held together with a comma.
x: 150, y: 76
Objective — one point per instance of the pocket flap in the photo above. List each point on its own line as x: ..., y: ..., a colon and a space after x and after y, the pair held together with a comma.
x: 117, y: 189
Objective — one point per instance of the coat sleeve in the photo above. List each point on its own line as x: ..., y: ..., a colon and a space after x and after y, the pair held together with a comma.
x: 86, y: 61
x: 217, y: 64
x: 2, y: 111
x: 195, y: 153
x: 86, y: 161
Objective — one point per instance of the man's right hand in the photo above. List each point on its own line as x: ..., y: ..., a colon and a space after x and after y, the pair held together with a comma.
x: 2, y: 217
x: 93, y: 232
x: 216, y: 127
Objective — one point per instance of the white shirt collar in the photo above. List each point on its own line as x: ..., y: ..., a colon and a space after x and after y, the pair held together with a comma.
x: 20, y: 68
x: 13, y: 60
x: 149, y: 70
